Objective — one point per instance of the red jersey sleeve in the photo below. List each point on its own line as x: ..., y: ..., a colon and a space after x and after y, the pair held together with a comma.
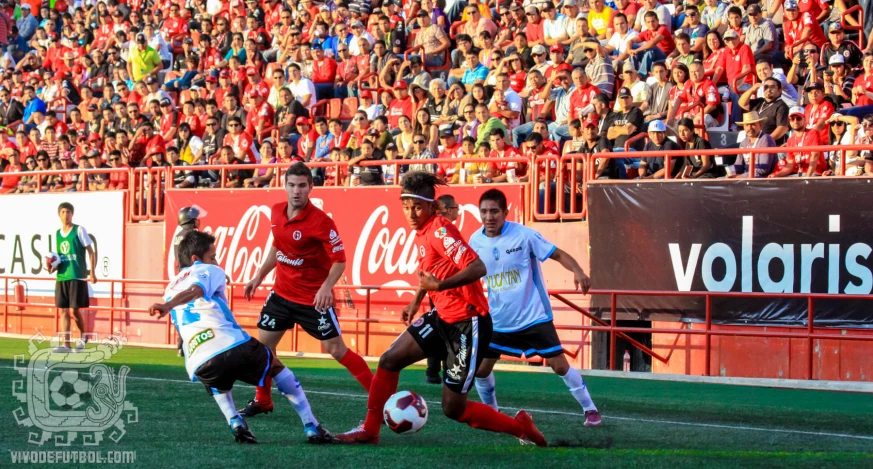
x: 331, y: 241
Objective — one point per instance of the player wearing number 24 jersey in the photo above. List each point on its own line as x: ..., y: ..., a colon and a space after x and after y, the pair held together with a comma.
x: 309, y: 257
x: 519, y: 302
x: 458, y: 331
x: 217, y: 351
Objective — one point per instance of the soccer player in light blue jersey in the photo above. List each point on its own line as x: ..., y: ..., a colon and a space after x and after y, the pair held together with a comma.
x: 217, y: 351
x: 519, y: 302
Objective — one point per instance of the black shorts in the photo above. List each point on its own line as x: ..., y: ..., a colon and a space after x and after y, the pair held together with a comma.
x: 279, y: 314
x: 540, y: 339
x: 459, y: 346
x: 248, y: 362
x: 72, y: 294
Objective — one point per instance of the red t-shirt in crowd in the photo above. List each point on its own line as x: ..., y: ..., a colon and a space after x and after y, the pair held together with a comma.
x: 534, y: 32
x: 865, y: 83
x: 500, y: 167
x: 306, y: 248
x: 733, y: 60
x: 580, y: 98
x: 814, y: 114
x: 399, y: 107
x: 324, y: 72
x: 443, y: 253
x: 803, y: 158
x: 666, y: 43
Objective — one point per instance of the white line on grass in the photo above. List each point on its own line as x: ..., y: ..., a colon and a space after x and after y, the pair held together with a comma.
x: 559, y: 412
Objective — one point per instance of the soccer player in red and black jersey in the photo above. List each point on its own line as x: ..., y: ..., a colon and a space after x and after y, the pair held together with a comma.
x: 309, y: 257
x: 458, y: 331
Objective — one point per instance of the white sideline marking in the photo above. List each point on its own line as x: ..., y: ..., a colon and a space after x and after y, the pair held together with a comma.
x: 559, y: 412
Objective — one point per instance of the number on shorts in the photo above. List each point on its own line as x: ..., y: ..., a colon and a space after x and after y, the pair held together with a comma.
x: 267, y: 321
x: 425, y: 331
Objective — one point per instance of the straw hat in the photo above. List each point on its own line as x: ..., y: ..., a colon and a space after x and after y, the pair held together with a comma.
x: 750, y: 118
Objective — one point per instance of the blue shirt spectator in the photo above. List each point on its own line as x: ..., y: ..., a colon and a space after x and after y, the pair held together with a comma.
x: 27, y: 24
x: 476, y: 72
x: 35, y: 104
x: 322, y: 146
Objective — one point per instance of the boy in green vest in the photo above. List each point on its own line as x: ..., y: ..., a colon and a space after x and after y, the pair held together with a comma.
x: 71, y: 289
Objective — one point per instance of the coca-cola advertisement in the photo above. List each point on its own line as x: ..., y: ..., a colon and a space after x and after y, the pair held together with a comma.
x: 380, y: 248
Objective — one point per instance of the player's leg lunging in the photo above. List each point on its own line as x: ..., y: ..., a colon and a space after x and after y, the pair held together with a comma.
x: 353, y: 362
x: 263, y: 401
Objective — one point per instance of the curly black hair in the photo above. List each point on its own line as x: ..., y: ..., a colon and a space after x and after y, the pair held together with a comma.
x: 420, y: 183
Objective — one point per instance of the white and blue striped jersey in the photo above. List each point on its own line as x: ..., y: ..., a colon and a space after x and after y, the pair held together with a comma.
x: 517, y: 293
x: 206, y: 325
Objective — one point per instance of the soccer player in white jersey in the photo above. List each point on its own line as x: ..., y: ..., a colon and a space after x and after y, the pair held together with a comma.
x: 217, y: 351
x: 518, y: 300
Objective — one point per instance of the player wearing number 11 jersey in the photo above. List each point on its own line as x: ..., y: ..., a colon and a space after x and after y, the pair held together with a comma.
x: 217, y: 351
x: 519, y: 302
x: 458, y: 331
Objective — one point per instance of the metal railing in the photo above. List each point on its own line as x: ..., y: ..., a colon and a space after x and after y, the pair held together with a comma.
x: 595, y: 323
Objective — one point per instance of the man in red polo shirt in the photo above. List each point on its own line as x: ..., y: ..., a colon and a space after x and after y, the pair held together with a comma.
x: 241, y: 142
x: 309, y: 257
x: 401, y: 105
x: 705, y: 92
x: 451, y: 149
x: 556, y: 52
x: 323, y: 74
x: 580, y: 98
x: 308, y: 136
x: 818, y: 111
x: 255, y: 82
x: 501, y: 149
x: 802, y: 163
x: 799, y: 26
x: 261, y: 115
x: 534, y: 29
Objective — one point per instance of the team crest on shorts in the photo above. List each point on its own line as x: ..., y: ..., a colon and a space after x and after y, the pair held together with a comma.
x: 297, y: 235
x: 418, y: 322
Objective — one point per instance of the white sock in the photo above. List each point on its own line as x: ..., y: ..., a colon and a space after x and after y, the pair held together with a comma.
x: 574, y: 381
x: 487, y: 394
x: 225, y: 403
x: 288, y: 385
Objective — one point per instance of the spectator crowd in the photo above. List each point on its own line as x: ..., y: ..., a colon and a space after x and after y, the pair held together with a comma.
x: 139, y: 83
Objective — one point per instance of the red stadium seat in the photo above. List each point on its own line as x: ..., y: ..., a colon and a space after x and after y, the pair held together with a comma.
x: 349, y: 107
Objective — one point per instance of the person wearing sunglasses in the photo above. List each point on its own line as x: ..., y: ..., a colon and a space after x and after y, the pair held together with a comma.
x: 800, y: 163
x: 848, y: 130
x: 241, y: 142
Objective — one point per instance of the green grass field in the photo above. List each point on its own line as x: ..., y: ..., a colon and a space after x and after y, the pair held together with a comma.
x: 646, y: 423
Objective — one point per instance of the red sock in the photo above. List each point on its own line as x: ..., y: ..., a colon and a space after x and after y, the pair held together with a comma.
x: 263, y: 393
x: 481, y: 416
x: 357, y: 366
x: 384, y: 386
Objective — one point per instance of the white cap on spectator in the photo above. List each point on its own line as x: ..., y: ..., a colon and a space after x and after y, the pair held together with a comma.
x: 657, y: 125
x: 836, y: 59
x: 796, y: 110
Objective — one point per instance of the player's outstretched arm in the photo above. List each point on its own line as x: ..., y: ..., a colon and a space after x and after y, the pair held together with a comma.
x: 267, y: 267
x: 580, y: 279
x: 162, y: 309
x: 470, y: 274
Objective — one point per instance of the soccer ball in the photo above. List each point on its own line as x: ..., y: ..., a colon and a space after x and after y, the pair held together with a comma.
x: 405, y: 412
x: 67, y: 389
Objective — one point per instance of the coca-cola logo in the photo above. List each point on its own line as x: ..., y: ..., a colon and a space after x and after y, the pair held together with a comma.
x: 393, y: 252
x: 235, y: 248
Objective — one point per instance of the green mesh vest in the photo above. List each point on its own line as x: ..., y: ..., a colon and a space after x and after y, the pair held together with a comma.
x: 72, y: 254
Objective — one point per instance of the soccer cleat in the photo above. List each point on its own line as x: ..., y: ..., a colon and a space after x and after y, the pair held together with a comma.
x: 434, y: 379
x: 254, y: 407
x: 317, y: 435
x: 531, y: 433
x: 592, y: 418
x: 241, y: 432
x: 357, y: 436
